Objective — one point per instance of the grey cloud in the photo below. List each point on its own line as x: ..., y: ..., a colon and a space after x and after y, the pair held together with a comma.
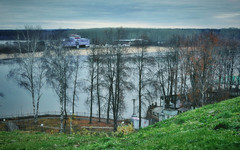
x: 156, y: 13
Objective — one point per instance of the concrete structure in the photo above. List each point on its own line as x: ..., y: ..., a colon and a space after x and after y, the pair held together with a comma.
x: 134, y: 113
x: 135, y: 121
x: 160, y: 112
x: 167, y: 113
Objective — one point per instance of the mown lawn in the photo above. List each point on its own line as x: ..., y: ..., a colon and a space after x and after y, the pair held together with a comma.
x: 215, y: 126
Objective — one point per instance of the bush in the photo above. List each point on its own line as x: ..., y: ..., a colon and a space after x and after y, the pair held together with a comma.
x: 84, y: 132
x: 124, y: 130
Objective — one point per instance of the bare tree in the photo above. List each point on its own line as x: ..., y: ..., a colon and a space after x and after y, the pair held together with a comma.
x: 30, y: 72
x: 115, y: 62
x: 115, y: 73
x: 95, y: 63
x: 58, y: 75
x: 160, y: 76
x: 140, y: 61
x: 92, y: 72
x: 76, y: 66
x: 107, y: 71
x: 121, y: 84
x: 109, y: 75
x: 99, y: 78
x: 143, y: 63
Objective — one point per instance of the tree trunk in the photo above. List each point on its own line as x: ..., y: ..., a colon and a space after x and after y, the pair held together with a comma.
x: 98, y: 93
x: 65, y: 98
x: 75, y: 86
x: 140, y: 97
x: 36, y: 118
x: 91, y: 96
x: 109, y: 101
x: 61, y: 115
x: 176, y: 81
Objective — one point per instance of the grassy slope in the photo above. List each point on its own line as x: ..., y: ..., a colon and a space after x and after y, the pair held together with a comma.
x: 214, y: 126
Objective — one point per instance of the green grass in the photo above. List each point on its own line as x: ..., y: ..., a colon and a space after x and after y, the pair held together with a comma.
x: 215, y: 126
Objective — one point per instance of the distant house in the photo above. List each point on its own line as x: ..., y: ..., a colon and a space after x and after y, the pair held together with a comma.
x: 76, y: 41
x: 130, y: 42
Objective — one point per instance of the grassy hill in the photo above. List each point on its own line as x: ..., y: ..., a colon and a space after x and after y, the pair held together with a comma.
x: 215, y: 126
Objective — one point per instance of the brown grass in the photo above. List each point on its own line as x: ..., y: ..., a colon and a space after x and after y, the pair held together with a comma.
x: 52, y: 125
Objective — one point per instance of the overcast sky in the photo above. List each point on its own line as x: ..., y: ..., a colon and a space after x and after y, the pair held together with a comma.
x: 54, y: 14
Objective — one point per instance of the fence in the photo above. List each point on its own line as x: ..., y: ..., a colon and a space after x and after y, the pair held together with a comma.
x: 49, y: 122
x: 82, y: 114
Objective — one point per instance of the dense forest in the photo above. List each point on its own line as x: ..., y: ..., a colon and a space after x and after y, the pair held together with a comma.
x: 98, y: 35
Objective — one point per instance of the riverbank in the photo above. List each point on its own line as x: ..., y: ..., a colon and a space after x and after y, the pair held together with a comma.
x: 51, y: 124
x: 215, y: 126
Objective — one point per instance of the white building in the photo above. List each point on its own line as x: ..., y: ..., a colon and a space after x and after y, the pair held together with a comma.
x: 135, y: 121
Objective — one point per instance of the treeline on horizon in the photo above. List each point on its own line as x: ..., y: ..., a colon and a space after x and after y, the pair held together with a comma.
x: 98, y: 35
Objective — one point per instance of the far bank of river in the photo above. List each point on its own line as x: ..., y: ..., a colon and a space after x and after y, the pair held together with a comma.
x: 83, y: 51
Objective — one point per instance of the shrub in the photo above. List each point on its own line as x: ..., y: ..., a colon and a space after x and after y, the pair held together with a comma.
x: 124, y: 130
x: 84, y: 132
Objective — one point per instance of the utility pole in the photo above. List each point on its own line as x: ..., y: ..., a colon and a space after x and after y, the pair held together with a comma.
x: 134, y: 113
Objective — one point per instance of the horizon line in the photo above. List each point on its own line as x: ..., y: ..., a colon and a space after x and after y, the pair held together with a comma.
x: 172, y: 28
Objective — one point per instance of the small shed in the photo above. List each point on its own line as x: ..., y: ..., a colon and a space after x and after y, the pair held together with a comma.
x: 135, y: 121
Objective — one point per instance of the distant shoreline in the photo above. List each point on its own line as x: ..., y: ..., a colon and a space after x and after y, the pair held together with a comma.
x: 78, y: 52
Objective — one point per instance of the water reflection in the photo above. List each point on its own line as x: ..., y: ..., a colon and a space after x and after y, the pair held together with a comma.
x: 17, y: 100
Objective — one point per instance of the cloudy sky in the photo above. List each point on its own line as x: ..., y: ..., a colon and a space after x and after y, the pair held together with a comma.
x: 54, y: 14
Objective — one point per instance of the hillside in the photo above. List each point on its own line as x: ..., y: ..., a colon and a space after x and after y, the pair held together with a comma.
x: 215, y: 126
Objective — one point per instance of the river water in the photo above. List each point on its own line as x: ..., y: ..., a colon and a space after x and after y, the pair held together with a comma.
x: 17, y: 100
